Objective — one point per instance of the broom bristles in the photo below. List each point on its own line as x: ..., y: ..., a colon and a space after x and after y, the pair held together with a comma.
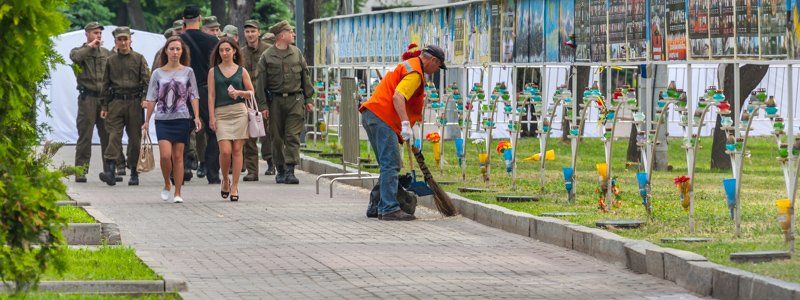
x: 440, y: 198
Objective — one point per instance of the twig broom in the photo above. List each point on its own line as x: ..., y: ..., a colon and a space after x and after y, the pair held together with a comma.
x: 440, y: 198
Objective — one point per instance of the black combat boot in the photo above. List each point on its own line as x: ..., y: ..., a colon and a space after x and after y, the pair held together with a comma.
x: 134, y: 180
x: 290, y: 179
x: 281, y: 177
x: 109, y: 176
x: 201, y: 170
x: 270, y: 168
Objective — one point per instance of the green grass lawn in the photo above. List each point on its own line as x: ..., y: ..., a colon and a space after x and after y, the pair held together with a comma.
x: 75, y: 214
x: 36, y: 296
x: 762, y: 185
x: 105, y: 263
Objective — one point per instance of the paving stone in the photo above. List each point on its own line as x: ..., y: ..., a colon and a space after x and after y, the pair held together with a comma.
x: 286, y: 242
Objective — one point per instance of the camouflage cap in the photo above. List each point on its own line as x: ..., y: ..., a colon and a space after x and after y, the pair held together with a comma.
x: 252, y: 23
x: 280, y: 27
x: 177, y: 24
x: 268, y: 37
x: 121, y: 31
x: 93, y: 25
x: 210, y: 22
x: 230, y: 30
x: 169, y: 33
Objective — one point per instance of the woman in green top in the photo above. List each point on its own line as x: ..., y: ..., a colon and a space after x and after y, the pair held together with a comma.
x: 228, y: 86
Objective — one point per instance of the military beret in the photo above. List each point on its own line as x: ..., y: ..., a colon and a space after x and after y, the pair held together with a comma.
x: 177, y: 24
x: 93, y: 25
x: 168, y: 33
x: 268, y: 37
x: 280, y: 27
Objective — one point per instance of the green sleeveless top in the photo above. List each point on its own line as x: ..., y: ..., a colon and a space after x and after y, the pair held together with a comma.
x: 221, y: 84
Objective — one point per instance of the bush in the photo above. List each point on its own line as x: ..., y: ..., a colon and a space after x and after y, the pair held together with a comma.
x: 28, y: 189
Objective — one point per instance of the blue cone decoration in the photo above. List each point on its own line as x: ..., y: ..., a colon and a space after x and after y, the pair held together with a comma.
x: 569, y: 174
x: 730, y: 193
x: 507, y: 156
x: 459, y: 149
x: 641, y: 178
x: 418, y: 143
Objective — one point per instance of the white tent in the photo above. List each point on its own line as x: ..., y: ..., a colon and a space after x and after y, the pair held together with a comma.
x: 62, y: 90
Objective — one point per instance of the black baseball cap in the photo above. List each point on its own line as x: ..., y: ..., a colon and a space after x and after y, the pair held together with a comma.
x: 191, y: 12
x: 436, y: 52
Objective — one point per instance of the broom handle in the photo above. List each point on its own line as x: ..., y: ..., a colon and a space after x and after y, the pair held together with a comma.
x: 410, y: 157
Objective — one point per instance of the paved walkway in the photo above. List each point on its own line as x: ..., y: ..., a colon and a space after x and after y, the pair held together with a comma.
x: 286, y: 242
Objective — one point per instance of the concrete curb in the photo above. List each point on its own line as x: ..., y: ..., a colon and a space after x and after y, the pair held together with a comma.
x: 687, y: 269
x: 172, y: 282
x: 100, y: 287
x: 104, y: 231
x: 71, y: 203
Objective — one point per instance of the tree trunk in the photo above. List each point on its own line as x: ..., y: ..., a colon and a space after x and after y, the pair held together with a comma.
x: 310, y: 11
x: 751, y: 77
x: 582, y: 73
x: 136, y: 15
x: 122, y: 14
x: 218, y: 10
x: 240, y: 11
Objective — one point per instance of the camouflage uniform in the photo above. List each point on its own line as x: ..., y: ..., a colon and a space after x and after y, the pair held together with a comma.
x: 285, y: 81
x: 126, y: 80
x: 251, y: 56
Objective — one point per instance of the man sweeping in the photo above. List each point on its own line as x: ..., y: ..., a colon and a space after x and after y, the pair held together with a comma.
x: 395, y: 106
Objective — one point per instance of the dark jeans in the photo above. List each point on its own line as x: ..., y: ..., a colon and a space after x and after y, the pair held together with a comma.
x: 386, y: 146
x: 212, y: 148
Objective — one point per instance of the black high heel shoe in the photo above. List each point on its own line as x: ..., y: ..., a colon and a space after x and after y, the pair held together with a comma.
x: 235, y: 198
x: 225, y: 194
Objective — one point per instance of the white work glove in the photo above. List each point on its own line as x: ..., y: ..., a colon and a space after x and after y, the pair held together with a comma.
x: 406, y: 132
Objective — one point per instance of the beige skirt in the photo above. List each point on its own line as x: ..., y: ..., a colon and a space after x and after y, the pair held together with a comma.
x: 231, y: 122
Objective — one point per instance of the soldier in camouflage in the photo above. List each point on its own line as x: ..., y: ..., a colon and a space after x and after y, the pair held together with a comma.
x: 124, y: 88
x: 251, y: 53
x: 284, y: 80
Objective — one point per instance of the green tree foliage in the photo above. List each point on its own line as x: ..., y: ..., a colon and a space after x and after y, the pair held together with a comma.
x: 270, y: 12
x: 28, y: 189
x: 81, y: 12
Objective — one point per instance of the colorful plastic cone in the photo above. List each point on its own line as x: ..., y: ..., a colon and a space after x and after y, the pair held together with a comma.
x: 730, y: 192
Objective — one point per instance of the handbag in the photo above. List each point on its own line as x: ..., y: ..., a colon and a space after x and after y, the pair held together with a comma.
x: 255, y: 122
x: 146, y: 161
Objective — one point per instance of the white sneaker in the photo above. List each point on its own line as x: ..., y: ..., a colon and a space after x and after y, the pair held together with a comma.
x: 177, y: 199
x: 165, y: 195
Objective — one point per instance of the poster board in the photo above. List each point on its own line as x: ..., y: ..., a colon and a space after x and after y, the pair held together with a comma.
x: 721, y: 29
x: 658, y: 32
x: 317, y: 35
x: 482, y: 33
x: 566, y: 29
x: 676, y: 30
x: 636, y: 30
x: 746, y: 28
x: 700, y: 46
x: 793, y: 38
x: 598, y: 15
x: 458, y: 31
x: 773, y: 29
x: 508, y: 30
x: 551, y: 32
x: 616, y: 30
x: 583, y: 31
x: 536, y: 41
x: 523, y: 31
x: 494, y: 34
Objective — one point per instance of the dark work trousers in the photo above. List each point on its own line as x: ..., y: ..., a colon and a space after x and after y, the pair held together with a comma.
x: 212, y: 148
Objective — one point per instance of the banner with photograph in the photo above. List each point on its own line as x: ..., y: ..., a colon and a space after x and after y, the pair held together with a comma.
x: 551, y: 32
x: 536, y: 41
x: 458, y: 31
x: 523, y: 31
x: 698, y: 29
x: 583, y: 31
x: 617, y: 22
x: 598, y: 15
x: 566, y: 30
x: 676, y: 30
x: 721, y: 28
x: 636, y: 33
x: 773, y: 29
x: 794, y: 28
x: 747, y: 28
x: 508, y: 28
x: 658, y: 32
